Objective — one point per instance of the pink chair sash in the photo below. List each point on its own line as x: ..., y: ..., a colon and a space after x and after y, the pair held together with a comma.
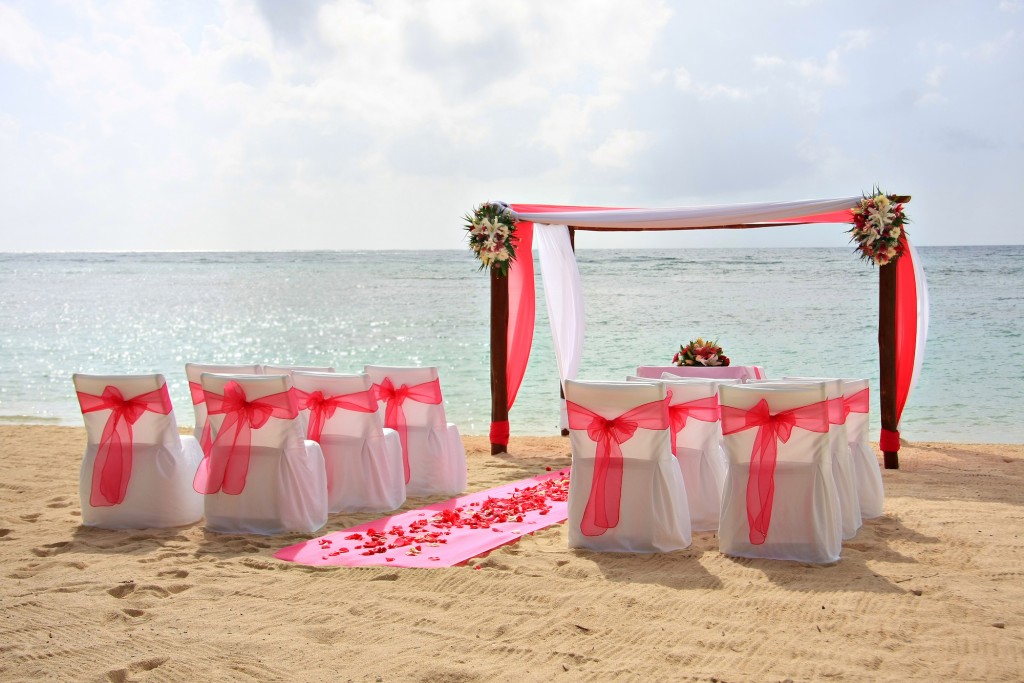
x: 857, y: 403
x: 836, y: 411
x: 394, y: 413
x: 225, y: 468
x: 113, y: 467
x: 703, y: 409
x: 770, y: 430
x: 206, y: 436
x: 602, y: 510
x: 321, y: 408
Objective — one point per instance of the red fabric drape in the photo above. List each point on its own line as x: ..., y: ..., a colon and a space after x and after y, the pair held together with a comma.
x: 906, y: 325
x: 522, y: 312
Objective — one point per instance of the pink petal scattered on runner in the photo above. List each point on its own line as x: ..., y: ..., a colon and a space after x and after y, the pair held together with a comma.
x: 451, y: 529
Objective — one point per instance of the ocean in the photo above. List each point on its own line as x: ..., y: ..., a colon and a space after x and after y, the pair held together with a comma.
x: 793, y: 311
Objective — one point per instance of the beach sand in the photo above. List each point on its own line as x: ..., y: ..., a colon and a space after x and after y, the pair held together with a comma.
x: 933, y: 590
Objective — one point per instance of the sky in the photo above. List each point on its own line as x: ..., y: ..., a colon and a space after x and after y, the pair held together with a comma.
x: 346, y: 124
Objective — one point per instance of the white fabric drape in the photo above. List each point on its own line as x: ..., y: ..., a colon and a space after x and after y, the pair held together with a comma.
x: 563, y: 293
x: 688, y: 217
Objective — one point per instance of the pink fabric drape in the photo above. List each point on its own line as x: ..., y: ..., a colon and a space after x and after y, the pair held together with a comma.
x: 703, y: 409
x: 112, y: 469
x: 227, y: 465
x: 906, y: 338
x: 602, y: 510
x: 322, y: 408
x: 206, y: 436
x: 770, y: 430
x: 857, y: 403
x: 394, y: 413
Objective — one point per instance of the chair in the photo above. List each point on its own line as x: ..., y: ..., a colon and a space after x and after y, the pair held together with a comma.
x: 625, y: 492
x: 289, y: 369
x: 780, y: 499
x: 870, y: 491
x: 741, y: 372
x: 137, y: 470
x: 193, y: 371
x: 434, y: 458
x: 365, y: 471
x: 842, y: 457
x: 261, y: 476
x: 696, y: 435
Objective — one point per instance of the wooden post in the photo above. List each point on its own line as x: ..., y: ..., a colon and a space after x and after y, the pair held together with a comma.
x: 887, y: 355
x: 499, y: 353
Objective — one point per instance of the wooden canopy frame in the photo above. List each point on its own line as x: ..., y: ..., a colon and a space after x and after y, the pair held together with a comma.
x: 887, y: 307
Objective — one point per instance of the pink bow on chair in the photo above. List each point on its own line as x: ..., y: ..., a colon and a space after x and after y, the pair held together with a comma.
x: 857, y: 403
x: 321, y: 408
x: 770, y: 430
x: 703, y: 409
x: 226, y: 466
x: 205, y: 437
x: 602, y: 511
x: 394, y: 414
x: 113, y: 467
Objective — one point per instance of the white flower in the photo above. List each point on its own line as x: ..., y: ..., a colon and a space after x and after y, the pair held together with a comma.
x: 710, y: 360
x: 882, y: 202
x: 503, y: 254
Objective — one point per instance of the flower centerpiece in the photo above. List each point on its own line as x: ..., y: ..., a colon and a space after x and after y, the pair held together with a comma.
x: 701, y: 353
x: 877, y: 228
x: 491, y: 228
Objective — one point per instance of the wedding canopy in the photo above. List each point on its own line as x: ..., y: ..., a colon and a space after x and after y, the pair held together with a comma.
x: 903, y: 303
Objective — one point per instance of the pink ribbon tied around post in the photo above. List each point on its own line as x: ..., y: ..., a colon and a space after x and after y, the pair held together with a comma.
x: 857, y: 403
x: 770, y: 430
x: 703, y: 409
x: 321, y: 408
x: 226, y: 466
x: 394, y: 413
x: 206, y: 436
x: 113, y: 467
x: 602, y: 510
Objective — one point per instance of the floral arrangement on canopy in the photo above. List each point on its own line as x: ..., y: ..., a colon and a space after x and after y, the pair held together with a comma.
x: 491, y: 228
x: 699, y: 352
x: 877, y: 227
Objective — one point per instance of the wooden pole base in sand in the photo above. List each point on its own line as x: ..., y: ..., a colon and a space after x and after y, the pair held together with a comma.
x: 887, y: 356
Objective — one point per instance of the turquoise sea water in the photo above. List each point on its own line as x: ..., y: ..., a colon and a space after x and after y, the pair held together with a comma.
x: 794, y: 311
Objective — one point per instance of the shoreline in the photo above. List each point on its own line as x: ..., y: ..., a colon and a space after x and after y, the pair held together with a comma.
x: 939, y: 572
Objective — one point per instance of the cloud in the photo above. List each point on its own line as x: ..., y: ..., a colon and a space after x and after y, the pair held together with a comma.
x: 620, y: 149
x: 20, y: 42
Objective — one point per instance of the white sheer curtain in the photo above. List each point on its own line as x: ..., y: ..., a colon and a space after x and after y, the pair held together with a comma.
x: 563, y: 292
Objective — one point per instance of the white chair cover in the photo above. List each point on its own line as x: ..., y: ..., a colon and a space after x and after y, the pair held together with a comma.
x: 804, y: 520
x: 289, y: 369
x: 159, y: 489
x: 842, y: 456
x: 194, y: 371
x: 698, y: 447
x: 285, y: 486
x: 717, y: 383
x: 742, y: 372
x: 364, y: 461
x: 870, y: 491
x: 653, y: 514
x: 435, y: 454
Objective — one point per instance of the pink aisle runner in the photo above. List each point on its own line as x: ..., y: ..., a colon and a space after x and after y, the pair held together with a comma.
x: 443, y: 534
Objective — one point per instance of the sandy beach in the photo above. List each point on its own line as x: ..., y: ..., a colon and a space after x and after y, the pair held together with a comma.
x: 932, y: 590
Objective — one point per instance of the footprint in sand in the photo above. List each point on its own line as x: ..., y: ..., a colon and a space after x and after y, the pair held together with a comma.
x: 124, y: 674
x: 123, y: 590
x: 34, y: 517
x: 175, y: 573
x: 59, y: 502
x: 4, y: 533
x: 134, y: 612
x: 49, y: 549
